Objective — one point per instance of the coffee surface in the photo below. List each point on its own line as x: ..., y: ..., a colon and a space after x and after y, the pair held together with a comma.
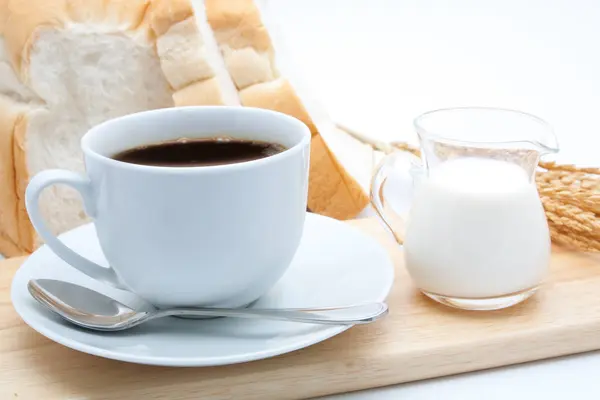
x: 199, y: 152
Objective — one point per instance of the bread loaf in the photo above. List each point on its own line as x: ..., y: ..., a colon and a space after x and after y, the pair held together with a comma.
x: 67, y: 65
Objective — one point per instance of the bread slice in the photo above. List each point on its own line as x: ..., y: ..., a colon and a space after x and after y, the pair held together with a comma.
x: 67, y: 65
x: 16, y: 101
x: 190, y: 57
x: 252, y: 62
x: 63, y: 56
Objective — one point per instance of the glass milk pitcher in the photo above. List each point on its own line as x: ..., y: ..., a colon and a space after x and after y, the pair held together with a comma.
x: 476, y: 234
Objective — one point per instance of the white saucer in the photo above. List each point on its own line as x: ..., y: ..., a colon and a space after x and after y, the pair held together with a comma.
x: 336, y: 264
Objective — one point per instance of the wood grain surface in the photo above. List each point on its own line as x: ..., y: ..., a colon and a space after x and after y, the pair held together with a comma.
x: 418, y: 340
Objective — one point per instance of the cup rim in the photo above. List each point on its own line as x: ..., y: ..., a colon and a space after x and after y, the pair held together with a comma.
x: 298, y: 147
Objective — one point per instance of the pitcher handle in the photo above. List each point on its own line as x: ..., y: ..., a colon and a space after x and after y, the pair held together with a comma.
x: 83, y: 186
x: 391, y: 162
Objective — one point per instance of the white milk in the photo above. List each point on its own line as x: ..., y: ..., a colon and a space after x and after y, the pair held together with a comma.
x: 477, y: 229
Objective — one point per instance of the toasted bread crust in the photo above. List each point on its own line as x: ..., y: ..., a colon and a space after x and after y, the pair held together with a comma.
x: 3, y: 15
x: 26, y: 231
x: 166, y: 13
x: 278, y: 95
x: 202, y: 93
x: 8, y: 248
x: 332, y: 191
x: 238, y: 23
x: 10, y: 113
x: 24, y: 19
x: 121, y: 15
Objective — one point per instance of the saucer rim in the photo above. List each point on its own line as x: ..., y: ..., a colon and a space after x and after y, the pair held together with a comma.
x: 304, y: 340
x: 199, y: 361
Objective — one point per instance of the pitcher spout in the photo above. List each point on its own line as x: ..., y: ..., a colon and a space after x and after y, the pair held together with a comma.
x: 548, y: 146
x: 494, y: 133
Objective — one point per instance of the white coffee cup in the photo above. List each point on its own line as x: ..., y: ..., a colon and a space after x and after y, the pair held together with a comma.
x: 217, y: 236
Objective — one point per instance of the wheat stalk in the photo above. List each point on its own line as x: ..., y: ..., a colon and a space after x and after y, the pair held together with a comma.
x: 570, y: 195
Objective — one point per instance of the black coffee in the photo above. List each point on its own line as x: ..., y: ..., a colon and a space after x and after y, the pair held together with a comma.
x: 199, y: 152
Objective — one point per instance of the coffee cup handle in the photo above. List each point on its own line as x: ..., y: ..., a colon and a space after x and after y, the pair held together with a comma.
x: 83, y: 186
x: 397, y: 161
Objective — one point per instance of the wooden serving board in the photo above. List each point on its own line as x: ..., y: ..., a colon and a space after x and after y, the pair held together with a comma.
x: 419, y: 339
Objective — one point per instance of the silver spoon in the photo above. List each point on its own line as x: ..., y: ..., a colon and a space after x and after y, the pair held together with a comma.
x: 90, y: 309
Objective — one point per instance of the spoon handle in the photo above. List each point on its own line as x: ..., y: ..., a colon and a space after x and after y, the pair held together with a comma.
x: 348, y: 315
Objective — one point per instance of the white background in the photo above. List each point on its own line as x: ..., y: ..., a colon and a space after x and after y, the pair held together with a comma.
x: 377, y: 64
